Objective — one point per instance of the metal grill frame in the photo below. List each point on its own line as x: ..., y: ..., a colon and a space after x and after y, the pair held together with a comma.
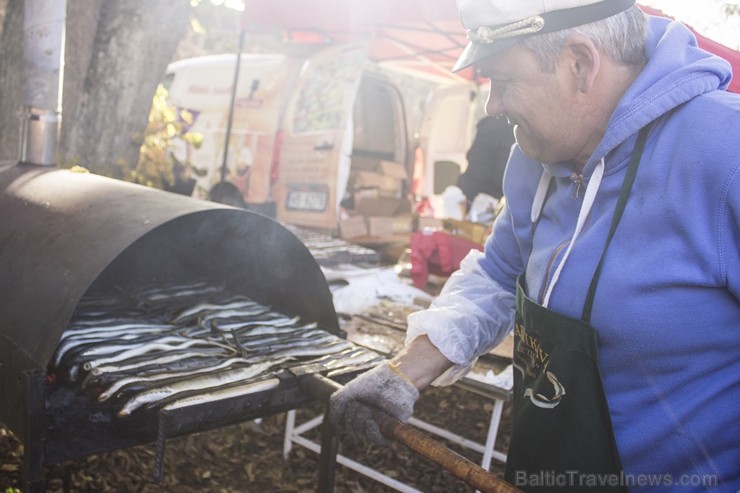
x: 65, y: 234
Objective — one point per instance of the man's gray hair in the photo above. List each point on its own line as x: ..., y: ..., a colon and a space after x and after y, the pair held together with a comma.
x: 622, y: 37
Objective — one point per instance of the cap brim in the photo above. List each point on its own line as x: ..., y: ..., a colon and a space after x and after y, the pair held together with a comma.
x: 555, y: 20
x: 477, y: 52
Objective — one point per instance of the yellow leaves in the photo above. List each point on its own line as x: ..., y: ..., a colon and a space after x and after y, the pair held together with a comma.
x: 249, y: 470
x: 186, y: 116
x: 196, y: 26
x: 194, y: 138
x: 172, y: 130
x: 165, y: 126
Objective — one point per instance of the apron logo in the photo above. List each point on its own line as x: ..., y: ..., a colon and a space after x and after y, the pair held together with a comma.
x: 542, y: 401
x: 529, y: 353
x: 531, y: 361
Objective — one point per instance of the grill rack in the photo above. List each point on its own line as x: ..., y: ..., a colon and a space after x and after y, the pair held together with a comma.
x: 67, y: 235
x: 284, y: 393
x: 330, y: 252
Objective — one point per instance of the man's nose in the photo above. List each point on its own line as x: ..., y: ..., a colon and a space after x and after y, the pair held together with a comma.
x: 493, y: 103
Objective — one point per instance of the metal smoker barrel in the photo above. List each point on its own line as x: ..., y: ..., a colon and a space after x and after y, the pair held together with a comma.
x: 64, y: 234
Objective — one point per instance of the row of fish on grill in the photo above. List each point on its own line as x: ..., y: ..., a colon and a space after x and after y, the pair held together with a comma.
x: 186, y: 344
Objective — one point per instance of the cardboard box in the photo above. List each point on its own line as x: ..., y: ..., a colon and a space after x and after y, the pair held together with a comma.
x: 373, y: 179
x: 352, y: 227
x: 404, y: 206
x: 380, y: 226
x: 362, y: 163
x: 393, y: 169
x: 387, y: 194
x: 475, y: 232
x: 365, y: 194
x: 404, y: 223
x: 390, y: 225
x: 381, y: 206
x: 383, y: 167
x: 430, y: 222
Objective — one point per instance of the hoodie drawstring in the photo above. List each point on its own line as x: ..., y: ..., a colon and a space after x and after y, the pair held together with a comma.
x: 588, y: 202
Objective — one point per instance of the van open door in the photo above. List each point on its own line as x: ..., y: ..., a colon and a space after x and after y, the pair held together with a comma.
x: 317, y: 138
x: 445, y: 136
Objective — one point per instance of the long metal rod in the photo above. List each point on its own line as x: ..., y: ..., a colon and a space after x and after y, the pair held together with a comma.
x: 321, y: 388
x: 230, y: 121
x: 327, y: 458
x: 34, y: 431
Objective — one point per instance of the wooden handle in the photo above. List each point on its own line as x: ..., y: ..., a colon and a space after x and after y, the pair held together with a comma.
x: 321, y: 388
x: 459, y: 466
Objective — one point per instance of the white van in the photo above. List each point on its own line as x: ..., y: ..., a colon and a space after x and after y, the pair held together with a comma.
x: 302, y: 127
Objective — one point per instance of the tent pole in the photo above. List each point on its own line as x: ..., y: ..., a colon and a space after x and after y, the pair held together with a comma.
x: 231, y: 106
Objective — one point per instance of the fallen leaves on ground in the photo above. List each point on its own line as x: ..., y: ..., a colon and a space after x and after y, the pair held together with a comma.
x: 248, y: 457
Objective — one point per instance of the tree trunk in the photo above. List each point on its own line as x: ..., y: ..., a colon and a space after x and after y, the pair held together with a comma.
x: 134, y: 42
x: 11, y: 58
x: 82, y: 24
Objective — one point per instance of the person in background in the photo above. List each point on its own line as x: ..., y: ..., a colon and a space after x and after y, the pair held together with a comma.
x: 615, y: 260
x: 183, y: 183
x: 225, y: 192
x: 487, y: 158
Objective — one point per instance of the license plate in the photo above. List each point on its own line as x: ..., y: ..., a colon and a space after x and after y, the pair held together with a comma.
x: 307, y: 200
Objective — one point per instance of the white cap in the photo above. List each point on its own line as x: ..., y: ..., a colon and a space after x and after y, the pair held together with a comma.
x: 495, y: 24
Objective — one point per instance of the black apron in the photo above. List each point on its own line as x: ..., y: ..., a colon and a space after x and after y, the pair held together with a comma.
x: 562, y: 437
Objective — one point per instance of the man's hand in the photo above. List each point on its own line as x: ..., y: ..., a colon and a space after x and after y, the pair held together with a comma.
x: 392, y: 387
x: 351, y: 408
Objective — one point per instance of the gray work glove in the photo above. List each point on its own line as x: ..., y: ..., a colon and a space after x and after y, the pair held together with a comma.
x: 351, y: 408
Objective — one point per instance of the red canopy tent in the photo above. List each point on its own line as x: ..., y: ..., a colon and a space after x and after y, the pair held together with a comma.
x: 420, y: 35
x: 732, y: 56
x: 423, y: 35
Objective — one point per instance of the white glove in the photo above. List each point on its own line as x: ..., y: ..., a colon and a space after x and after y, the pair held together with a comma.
x: 351, y: 408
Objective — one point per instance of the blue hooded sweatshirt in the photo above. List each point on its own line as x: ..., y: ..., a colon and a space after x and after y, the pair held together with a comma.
x: 667, y: 306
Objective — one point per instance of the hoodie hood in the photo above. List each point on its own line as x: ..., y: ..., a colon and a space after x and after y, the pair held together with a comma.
x: 677, y: 70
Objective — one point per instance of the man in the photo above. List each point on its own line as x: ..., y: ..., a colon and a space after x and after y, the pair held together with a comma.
x: 487, y: 158
x: 615, y: 261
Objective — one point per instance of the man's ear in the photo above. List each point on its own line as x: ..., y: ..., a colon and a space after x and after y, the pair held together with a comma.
x: 584, y: 61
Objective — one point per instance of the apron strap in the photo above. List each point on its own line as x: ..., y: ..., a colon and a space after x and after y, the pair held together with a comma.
x: 619, y: 210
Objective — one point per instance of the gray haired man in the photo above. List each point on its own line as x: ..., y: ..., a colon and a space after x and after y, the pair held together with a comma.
x: 615, y: 261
